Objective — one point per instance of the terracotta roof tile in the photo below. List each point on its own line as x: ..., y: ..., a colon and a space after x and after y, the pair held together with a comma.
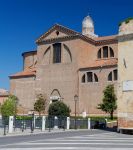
x: 102, y: 63
x: 27, y: 72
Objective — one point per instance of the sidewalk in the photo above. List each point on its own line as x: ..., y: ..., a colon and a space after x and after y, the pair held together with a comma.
x: 36, y: 132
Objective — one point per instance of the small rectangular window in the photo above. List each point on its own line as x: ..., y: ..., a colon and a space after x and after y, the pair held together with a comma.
x: 57, y: 53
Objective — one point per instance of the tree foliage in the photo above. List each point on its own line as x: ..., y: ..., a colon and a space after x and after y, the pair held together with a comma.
x: 40, y: 104
x: 59, y: 109
x: 8, y: 108
x: 109, y: 101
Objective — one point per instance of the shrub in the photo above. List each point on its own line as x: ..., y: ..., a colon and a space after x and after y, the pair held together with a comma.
x: 109, y: 101
x: 8, y: 108
x: 40, y: 104
x: 59, y: 109
x: 126, y: 20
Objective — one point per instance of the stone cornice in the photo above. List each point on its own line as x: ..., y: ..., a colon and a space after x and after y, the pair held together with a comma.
x: 21, y: 76
x: 78, y: 36
x: 58, y: 39
x: 98, y: 67
x: 29, y: 52
x: 106, y: 42
x: 125, y: 37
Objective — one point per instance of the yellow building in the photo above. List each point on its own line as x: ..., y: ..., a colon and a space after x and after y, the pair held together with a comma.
x: 125, y: 76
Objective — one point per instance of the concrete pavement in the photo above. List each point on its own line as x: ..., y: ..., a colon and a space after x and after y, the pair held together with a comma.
x: 74, y: 140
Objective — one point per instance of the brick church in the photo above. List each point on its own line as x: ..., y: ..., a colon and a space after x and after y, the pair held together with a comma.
x: 68, y: 63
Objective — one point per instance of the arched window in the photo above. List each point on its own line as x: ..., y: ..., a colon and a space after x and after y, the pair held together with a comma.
x: 83, y: 78
x: 68, y: 55
x: 95, y: 78
x: 113, y: 75
x: 110, y: 76
x: 57, y: 53
x: 91, y: 77
x: 105, y: 52
x: 55, y: 96
x: 111, y: 52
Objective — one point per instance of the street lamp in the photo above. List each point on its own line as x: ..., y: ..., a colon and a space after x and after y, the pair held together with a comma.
x: 75, y: 100
x: 16, y: 104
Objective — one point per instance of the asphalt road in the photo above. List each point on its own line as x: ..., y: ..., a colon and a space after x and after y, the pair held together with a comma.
x: 75, y: 140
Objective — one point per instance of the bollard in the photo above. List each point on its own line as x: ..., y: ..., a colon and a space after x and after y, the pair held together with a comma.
x: 32, y: 123
x: 106, y: 123
x: 10, y: 124
x: 22, y: 122
x: 34, y: 120
x: 14, y: 123
x: 89, y: 123
x: 49, y: 120
x: 43, y: 123
x: 64, y: 123
x: 55, y: 122
x: 68, y: 123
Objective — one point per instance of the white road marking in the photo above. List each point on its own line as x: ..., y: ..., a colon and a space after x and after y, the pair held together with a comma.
x: 75, y: 143
x: 96, y: 138
x: 106, y: 140
x: 50, y: 139
x: 68, y: 148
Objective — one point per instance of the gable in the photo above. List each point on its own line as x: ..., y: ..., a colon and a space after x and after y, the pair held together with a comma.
x: 61, y: 32
x: 55, y: 34
x: 57, y: 31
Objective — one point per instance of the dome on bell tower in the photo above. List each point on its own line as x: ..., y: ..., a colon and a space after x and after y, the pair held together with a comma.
x: 88, y: 27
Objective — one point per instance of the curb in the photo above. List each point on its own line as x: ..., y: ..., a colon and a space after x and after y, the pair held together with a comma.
x: 39, y: 133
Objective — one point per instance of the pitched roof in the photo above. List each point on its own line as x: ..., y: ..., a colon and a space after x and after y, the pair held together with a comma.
x: 57, y: 27
x: 26, y: 73
x: 101, y: 63
x: 29, y: 52
x: 74, y: 34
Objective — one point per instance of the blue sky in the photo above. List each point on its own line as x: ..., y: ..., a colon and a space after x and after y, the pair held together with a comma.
x: 23, y: 21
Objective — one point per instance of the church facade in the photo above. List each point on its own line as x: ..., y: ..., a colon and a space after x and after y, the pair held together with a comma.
x: 68, y: 63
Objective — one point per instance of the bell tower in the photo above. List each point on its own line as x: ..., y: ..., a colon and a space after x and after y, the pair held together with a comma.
x: 88, y: 27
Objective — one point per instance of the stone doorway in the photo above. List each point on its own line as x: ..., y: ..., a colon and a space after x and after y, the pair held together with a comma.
x: 55, y: 96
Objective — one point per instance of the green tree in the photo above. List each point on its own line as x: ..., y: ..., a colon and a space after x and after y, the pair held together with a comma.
x: 40, y: 104
x: 8, y: 108
x: 109, y: 101
x: 59, y: 109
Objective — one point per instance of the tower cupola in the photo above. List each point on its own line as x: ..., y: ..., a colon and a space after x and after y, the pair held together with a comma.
x: 88, y: 27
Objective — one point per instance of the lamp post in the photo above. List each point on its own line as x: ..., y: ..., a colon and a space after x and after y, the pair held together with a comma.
x: 75, y: 100
x: 16, y: 104
x: 32, y: 121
